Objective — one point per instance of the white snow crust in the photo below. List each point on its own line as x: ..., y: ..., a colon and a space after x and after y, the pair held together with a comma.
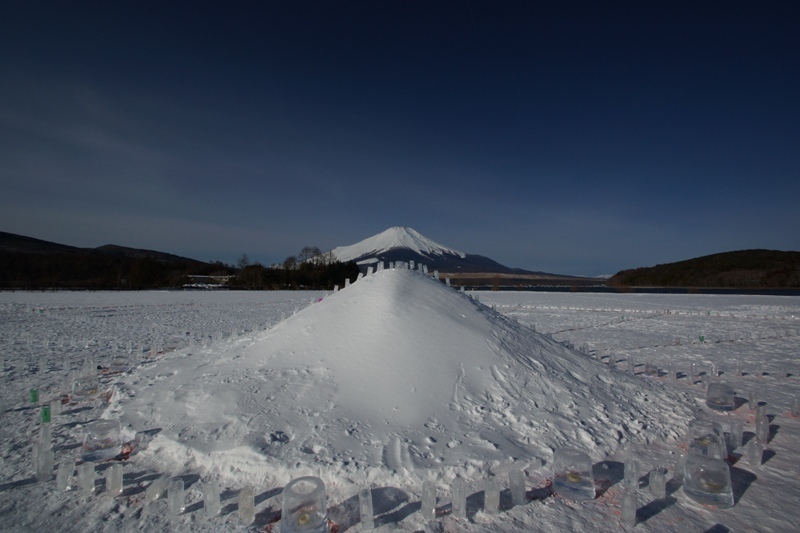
x: 388, y: 383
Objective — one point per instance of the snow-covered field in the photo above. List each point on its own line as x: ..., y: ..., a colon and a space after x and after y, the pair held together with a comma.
x: 388, y: 383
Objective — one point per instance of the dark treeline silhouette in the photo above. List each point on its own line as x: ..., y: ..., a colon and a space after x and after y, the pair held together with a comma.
x: 20, y: 271
x: 310, y: 269
x: 741, y: 269
x: 32, y: 264
x: 98, y: 270
x: 305, y: 276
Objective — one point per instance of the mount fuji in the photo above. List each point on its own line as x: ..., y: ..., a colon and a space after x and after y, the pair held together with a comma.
x: 406, y: 244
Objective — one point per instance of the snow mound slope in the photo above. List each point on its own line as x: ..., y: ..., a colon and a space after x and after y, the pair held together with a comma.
x: 392, y: 238
x: 398, y: 371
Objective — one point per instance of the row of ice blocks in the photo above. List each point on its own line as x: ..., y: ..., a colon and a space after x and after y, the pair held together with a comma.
x: 706, y: 480
x: 491, y: 504
x: 304, y: 501
x: 706, y: 475
x: 85, y: 480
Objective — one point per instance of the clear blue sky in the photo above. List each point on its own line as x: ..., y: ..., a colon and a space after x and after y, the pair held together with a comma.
x: 569, y: 137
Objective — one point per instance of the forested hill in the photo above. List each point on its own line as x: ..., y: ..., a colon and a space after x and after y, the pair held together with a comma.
x: 29, y: 263
x: 741, y: 269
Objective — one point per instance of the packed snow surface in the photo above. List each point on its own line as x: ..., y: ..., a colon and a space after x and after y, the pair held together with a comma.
x: 402, y: 372
x: 395, y: 380
x: 392, y: 238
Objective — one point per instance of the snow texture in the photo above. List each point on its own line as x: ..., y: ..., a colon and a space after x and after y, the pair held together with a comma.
x: 391, y: 382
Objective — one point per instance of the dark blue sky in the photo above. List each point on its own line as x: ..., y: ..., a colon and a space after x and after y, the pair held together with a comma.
x: 571, y: 137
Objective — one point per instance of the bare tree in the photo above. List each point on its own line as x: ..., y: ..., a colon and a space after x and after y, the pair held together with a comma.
x: 308, y: 253
x: 290, y: 263
x: 328, y: 258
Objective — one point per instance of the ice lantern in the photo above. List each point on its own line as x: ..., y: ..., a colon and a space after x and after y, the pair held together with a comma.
x: 304, y: 506
x: 572, y: 471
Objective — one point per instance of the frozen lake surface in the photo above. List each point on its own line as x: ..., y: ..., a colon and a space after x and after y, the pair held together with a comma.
x: 215, y: 377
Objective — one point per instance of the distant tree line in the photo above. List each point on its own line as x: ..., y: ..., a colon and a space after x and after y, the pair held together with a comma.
x: 741, y: 269
x: 96, y: 271
x: 310, y: 269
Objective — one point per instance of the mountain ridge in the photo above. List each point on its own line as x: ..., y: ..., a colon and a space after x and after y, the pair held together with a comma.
x: 30, y: 263
x: 11, y: 242
x: 401, y: 243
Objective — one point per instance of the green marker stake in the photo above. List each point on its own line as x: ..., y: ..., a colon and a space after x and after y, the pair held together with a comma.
x: 34, y: 395
x: 45, y: 414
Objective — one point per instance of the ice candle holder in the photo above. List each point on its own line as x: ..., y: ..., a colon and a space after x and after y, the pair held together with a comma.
x: 631, y: 479
x: 86, y: 478
x: 44, y: 463
x: 708, y: 481
x: 46, y: 436
x: 657, y: 483
x: 85, y: 387
x: 367, y: 513
x: 650, y: 369
x: 459, y: 498
x: 491, y: 496
x: 141, y: 441
x: 114, y: 480
x: 755, y: 452
x: 752, y: 400
x: 629, y: 506
x: 428, y: 501
x: 101, y: 441
x: 247, y: 505
x: 35, y: 449
x: 516, y: 482
x: 175, y: 497
x: 762, y: 428
x: 119, y: 363
x: 304, y: 506
x: 735, y: 435
x: 680, y: 468
x: 706, y: 439
x: 720, y: 396
x: 572, y: 474
x: 156, y: 489
x: 211, y: 500
x: 64, y: 474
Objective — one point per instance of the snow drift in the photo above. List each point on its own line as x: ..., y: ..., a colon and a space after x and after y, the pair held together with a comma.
x: 398, y: 371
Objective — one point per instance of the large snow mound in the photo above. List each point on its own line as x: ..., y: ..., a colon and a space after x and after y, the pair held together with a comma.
x: 400, y: 371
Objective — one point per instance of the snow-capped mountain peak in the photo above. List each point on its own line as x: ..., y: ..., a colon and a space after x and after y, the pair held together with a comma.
x: 391, y: 239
